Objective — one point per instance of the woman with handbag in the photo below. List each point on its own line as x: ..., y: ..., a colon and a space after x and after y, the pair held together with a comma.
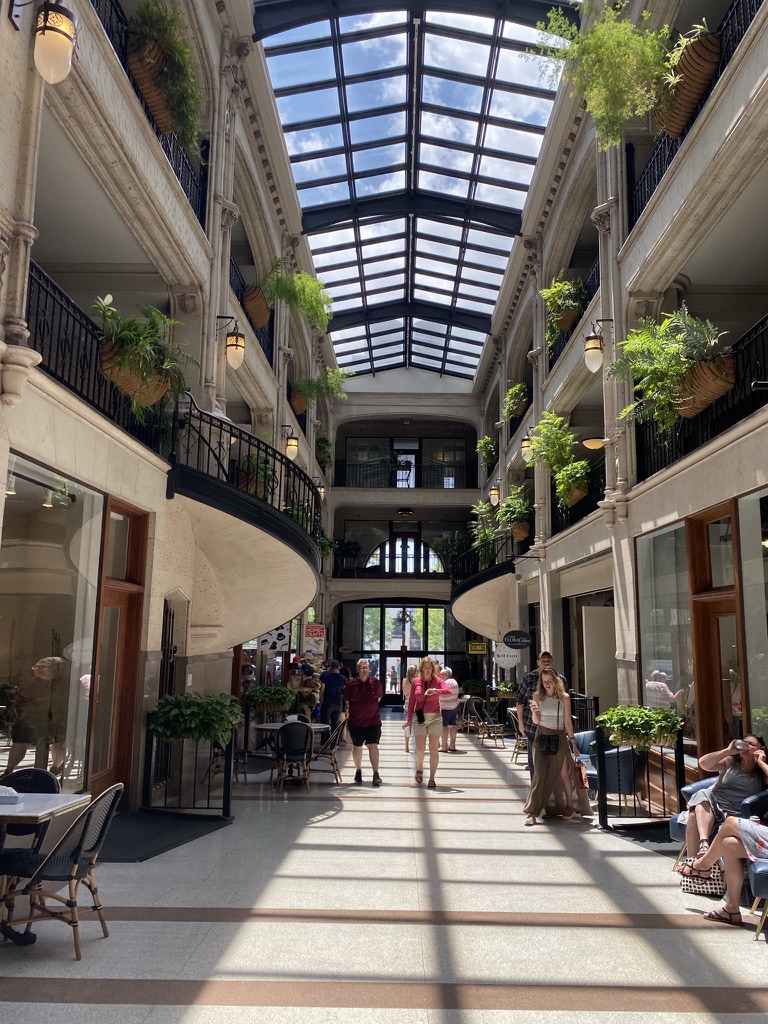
x: 551, y: 713
x: 424, y: 707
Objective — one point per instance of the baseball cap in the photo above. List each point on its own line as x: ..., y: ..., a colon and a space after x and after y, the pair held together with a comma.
x: 335, y: 664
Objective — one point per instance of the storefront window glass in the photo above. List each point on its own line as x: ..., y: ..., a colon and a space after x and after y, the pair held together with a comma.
x: 665, y: 622
x: 753, y: 529
x: 49, y: 565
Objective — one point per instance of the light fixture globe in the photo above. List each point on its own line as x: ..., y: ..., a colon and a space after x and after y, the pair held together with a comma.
x: 593, y: 443
x: 235, y: 348
x: 526, y: 448
x: 291, y: 447
x: 494, y: 494
x: 55, y: 38
x: 593, y: 352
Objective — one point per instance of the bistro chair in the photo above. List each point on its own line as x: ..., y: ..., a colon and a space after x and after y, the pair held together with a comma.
x: 294, y: 744
x: 31, y: 780
x: 520, y: 740
x: 487, y: 726
x: 327, y: 753
x: 70, y: 863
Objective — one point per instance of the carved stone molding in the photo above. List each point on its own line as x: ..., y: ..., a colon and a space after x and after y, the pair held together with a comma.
x: 187, y: 302
x: 608, y: 508
x: 230, y: 212
x: 641, y: 305
x: 17, y: 365
x: 601, y: 215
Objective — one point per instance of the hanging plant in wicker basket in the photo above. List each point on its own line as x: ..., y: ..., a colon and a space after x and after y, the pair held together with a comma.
x: 692, y: 71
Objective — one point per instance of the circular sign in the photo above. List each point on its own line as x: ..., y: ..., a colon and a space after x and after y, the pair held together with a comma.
x: 517, y: 638
x: 346, y: 650
x: 506, y: 657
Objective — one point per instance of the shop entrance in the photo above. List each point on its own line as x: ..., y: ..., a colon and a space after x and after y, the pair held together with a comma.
x: 395, y: 664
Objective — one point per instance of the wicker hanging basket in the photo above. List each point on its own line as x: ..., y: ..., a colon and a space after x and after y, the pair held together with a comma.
x: 568, y: 320
x: 298, y: 402
x: 255, y: 306
x: 705, y: 383
x: 520, y: 531
x: 697, y: 65
x: 145, y: 64
x: 575, y: 495
x: 144, y: 392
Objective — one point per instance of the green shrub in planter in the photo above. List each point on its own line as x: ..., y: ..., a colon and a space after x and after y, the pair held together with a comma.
x: 195, y: 716
x: 640, y: 727
x: 279, y: 697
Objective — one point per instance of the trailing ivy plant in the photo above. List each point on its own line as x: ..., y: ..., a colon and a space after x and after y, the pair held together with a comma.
x: 195, y: 716
x: 300, y: 291
x: 640, y: 727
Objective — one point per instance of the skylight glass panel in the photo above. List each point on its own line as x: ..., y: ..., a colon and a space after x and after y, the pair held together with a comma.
x: 385, y: 265
x: 344, y: 304
x: 339, y: 291
x: 336, y: 193
x: 380, y: 228
x: 293, y: 106
x: 310, y: 140
x: 323, y: 167
x: 390, y: 324
x: 430, y: 295
x: 478, y: 291
x: 381, y: 156
x: 444, y: 156
x: 497, y: 195
x: 302, y: 67
x: 442, y: 92
x: 338, y: 239
x: 331, y: 274
x: 370, y: 129
x: 517, y: 68
x: 522, y: 33
x: 381, y: 52
x: 378, y: 183
x: 513, y: 141
x: 515, y: 107
x: 478, y: 236
x: 505, y: 170
x: 440, y: 250
x: 361, y: 22
x: 463, y: 22
x: 317, y: 30
x: 390, y: 281
x: 453, y: 52
x: 442, y: 230
x: 452, y: 129
x: 381, y: 92
x: 446, y: 184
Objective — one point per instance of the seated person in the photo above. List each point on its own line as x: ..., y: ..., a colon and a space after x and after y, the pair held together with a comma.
x: 737, y: 840
x: 743, y: 772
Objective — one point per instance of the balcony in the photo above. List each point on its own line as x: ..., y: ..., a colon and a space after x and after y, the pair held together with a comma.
x: 264, y: 335
x: 657, y: 450
x: 565, y: 517
x: 382, y: 473
x: 482, y: 583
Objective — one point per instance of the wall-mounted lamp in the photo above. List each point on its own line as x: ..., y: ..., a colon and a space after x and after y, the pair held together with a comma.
x: 55, y: 38
x: 593, y: 346
x: 593, y: 443
x: 494, y: 494
x: 10, y: 484
x: 405, y: 513
x: 235, y: 345
x: 526, y: 448
x: 291, y: 442
x: 320, y: 487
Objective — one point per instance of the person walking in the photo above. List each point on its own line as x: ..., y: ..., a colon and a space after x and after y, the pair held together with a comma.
x: 332, y: 685
x: 362, y: 696
x: 551, y: 714
x: 449, y: 710
x: 406, y: 686
x: 524, y: 695
x: 424, y: 705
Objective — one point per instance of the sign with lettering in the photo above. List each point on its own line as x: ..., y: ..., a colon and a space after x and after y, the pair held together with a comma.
x: 506, y: 657
x: 477, y: 647
x: 517, y: 638
x: 313, y: 638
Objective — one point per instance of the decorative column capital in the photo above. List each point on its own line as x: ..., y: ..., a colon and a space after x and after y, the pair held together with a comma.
x: 17, y: 365
x: 601, y: 215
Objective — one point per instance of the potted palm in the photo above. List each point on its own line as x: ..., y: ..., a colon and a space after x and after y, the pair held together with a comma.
x: 138, y: 356
x: 514, y: 512
x: 488, y: 450
x: 193, y: 716
x: 330, y: 384
x: 160, y: 63
x: 552, y: 444
x: 565, y: 301
x: 678, y: 367
x: 515, y: 401
x: 300, y: 291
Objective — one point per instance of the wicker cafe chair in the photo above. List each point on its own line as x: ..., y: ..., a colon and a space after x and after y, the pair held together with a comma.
x: 327, y: 753
x: 487, y: 726
x: 294, y: 744
x: 472, y: 713
x: 70, y: 862
x: 31, y: 780
x: 520, y: 745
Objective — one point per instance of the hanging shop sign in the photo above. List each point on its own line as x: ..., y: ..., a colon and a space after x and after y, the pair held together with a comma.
x: 517, y: 638
x: 477, y: 647
x: 276, y: 639
x: 313, y: 638
x: 506, y: 657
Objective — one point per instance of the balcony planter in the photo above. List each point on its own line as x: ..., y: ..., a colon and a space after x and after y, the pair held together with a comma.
x: 256, y: 476
x: 515, y: 401
x: 255, y: 306
x: 299, y: 291
x: 572, y: 482
x: 514, y: 512
x: 201, y: 717
x: 693, y: 72
x: 565, y: 301
x: 330, y: 384
x: 705, y: 383
x: 488, y: 450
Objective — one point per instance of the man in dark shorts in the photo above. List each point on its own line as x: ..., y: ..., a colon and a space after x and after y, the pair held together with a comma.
x: 362, y: 695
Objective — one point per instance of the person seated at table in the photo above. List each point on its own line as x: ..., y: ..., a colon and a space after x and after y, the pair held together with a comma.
x: 738, y: 840
x: 743, y: 772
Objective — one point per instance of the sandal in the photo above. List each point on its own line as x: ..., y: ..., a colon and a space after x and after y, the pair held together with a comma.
x: 687, y: 870
x: 724, y: 916
x: 431, y: 784
x: 419, y: 777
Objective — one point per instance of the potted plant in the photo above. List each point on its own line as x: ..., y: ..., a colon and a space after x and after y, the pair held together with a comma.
x: 640, y: 727
x: 323, y: 451
x: 552, y: 443
x: 270, y: 698
x: 482, y: 530
x: 256, y: 476
x: 514, y: 512
x: 138, y: 356
x: 515, y: 401
x: 507, y: 687
x: 330, y: 384
x: 488, y: 450
x: 327, y: 545
x: 691, y: 64
x: 194, y: 716
x: 298, y: 290
x: 476, y: 687
x: 678, y: 367
x: 565, y: 301
x: 160, y: 63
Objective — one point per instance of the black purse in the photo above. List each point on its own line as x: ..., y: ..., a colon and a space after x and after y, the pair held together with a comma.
x: 549, y: 744
x: 420, y: 716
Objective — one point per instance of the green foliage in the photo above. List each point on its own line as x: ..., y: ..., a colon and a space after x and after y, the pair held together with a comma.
x: 449, y: 546
x: 195, y: 716
x: 330, y: 384
x: 552, y: 442
x: 616, y: 66
x: 327, y: 545
x: 279, y: 696
x: 300, y: 292
x: 515, y: 509
x: 507, y: 687
x: 145, y: 348
x: 657, y: 357
x: 640, y: 727
x: 488, y: 450
x: 155, y: 21
x: 477, y: 687
x: 323, y: 451
x: 573, y: 477
x: 515, y: 397
x: 482, y: 530
x: 257, y: 476
x: 562, y: 297
x: 759, y: 720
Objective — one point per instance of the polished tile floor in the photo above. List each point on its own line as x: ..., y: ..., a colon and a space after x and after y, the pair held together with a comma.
x: 397, y: 905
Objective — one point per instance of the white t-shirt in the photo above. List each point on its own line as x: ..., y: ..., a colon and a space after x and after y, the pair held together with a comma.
x: 450, y: 703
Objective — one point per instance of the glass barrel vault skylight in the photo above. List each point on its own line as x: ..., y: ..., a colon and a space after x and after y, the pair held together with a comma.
x: 413, y: 141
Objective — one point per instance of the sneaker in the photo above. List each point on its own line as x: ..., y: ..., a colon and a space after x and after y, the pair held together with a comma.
x: 358, y: 778
x: 530, y: 820
x: 376, y: 781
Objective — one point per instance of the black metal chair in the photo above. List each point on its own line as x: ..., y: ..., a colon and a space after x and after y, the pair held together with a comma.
x: 70, y: 862
x: 487, y: 726
x: 294, y: 743
x: 327, y: 752
x: 31, y: 780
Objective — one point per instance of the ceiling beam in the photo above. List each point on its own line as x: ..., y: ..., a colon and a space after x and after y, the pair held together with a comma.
x: 480, y: 322
x: 495, y: 218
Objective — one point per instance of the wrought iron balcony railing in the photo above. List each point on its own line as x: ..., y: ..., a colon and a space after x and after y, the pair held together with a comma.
x: 264, y: 335
x: 430, y: 475
x: 562, y: 517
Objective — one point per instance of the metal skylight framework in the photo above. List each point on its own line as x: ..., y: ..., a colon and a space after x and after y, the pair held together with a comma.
x: 413, y: 136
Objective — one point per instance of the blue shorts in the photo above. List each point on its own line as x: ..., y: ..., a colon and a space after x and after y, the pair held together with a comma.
x: 449, y: 717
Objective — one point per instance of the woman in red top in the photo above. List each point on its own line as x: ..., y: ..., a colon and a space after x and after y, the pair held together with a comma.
x: 424, y: 704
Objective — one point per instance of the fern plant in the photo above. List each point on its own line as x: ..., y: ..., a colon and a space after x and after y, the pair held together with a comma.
x: 515, y: 401
x: 482, y: 530
x: 552, y: 444
x: 488, y: 450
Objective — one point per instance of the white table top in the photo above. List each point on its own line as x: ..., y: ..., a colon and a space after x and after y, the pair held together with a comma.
x: 34, y: 808
x: 274, y: 726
